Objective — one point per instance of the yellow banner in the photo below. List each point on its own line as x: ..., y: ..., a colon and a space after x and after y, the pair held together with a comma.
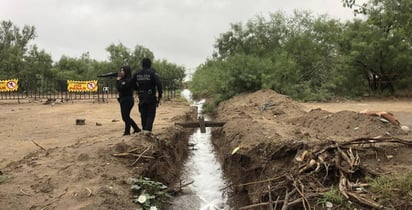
x: 82, y: 86
x: 9, y: 85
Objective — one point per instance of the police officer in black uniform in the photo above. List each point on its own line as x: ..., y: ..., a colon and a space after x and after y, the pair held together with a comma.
x: 147, y: 83
x: 126, y: 99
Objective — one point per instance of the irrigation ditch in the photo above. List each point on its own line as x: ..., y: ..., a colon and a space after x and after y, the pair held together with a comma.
x: 278, y: 156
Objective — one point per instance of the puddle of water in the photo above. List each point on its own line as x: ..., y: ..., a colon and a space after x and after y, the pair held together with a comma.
x: 204, y: 170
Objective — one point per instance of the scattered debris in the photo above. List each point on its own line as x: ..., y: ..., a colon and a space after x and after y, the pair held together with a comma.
x: 386, y: 115
x: 235, y: 150
x: 80, y: 121
x: 266, y: 105
x: 47, y: 152
x: 405, y: 128
x: 323, y: 163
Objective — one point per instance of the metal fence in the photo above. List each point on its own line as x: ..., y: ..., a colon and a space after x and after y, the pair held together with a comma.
x: 57, y: 90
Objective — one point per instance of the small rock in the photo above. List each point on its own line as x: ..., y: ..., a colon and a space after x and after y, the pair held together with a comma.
x: 80, y: 121
x: 405, y: 128
x: 329, y: 204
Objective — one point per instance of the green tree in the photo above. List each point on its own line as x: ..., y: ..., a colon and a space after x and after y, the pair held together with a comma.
x: 37, y: 64
x: 13, y: 48
x: 138, y: 54
x: 206, y: 81
x: 293, y: 55
x: 380, y: 45
x: 79, y: 68
x: 258, y: 36
x: 169, y: 71
x: 120, y: 55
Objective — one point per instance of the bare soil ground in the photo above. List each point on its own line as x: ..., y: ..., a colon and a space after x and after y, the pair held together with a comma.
x: 49, y: 162
x: 300, y: 150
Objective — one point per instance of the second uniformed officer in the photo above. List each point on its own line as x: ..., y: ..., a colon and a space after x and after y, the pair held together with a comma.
x: 147, y: 83
x: 126, y: 99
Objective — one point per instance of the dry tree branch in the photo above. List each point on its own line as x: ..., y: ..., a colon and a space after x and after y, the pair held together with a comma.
x: 342, y: 157
x: 286, y: 200
x: 141, y: 154
x: 278, y: 178
x: 377, y: 140
x: 126, y: 154
x: 270, y: 198
x: 24, y: 193
x: 90, y: 191
x: 366, y: 201
x: 276, y: 202
x: 39, y: 145
x: 301, y: 192
x: 179, y: 188
x: 287, y: 195
x: 299, y: 200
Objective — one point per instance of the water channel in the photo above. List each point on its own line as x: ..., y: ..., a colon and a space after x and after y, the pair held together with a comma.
x: 203, y: 168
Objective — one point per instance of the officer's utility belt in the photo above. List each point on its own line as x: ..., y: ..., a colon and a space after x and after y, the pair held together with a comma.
x: 145, y: 92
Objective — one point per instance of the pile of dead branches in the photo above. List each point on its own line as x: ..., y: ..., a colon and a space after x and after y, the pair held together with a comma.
x: 316, y: 170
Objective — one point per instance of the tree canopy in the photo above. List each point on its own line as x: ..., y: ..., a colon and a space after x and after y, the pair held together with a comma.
x: 19, y: 59
x: 313, y: 57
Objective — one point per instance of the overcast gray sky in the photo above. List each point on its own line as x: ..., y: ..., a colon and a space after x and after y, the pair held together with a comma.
x: 180, y: 31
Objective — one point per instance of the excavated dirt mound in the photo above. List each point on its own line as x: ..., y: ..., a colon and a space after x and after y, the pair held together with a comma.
x: 344, y: 124
x: 270, y: 140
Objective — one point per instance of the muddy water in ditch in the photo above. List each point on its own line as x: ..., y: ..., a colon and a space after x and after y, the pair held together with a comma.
x: 203, y: 169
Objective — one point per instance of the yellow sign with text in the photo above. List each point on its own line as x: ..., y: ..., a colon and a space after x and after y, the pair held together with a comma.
x: 9, y: 85
x: 82, y: 86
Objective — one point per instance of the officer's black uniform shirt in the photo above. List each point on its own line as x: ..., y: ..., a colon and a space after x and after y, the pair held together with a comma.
x: 123, y: 87
x: 146, y: 82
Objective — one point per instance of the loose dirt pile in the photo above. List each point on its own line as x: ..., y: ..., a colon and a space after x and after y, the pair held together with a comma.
x: 274, y: 151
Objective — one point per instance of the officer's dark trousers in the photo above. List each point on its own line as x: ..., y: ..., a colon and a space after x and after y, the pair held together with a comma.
x: 147, y: 111
x: 126, y: 105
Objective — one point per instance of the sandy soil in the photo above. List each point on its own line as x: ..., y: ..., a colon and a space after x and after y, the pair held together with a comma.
x: 49, y: 162
x: 401, y: 108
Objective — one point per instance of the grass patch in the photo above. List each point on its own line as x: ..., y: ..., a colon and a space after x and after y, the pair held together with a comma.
x: 333, y: 196
x: 3, y: 179
x: 393, y: 190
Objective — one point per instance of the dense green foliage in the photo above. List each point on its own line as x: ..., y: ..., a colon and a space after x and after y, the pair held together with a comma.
x: 313, y: 58
x: 20, y: 60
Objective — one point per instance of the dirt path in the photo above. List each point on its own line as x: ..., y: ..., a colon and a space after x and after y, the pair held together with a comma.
x: 54, y: 125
